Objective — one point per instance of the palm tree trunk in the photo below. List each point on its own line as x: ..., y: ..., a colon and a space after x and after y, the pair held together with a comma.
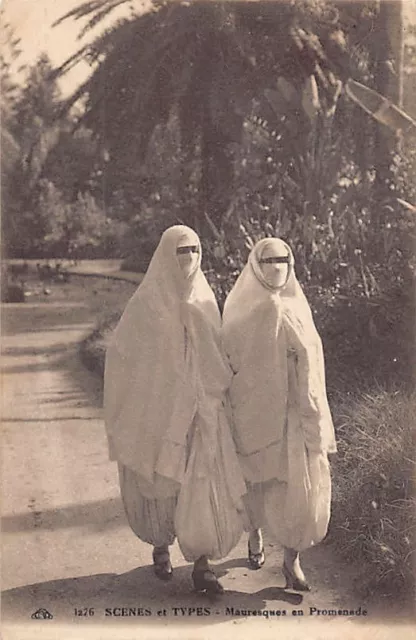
x: 217, y: 173
x: 389, y: 81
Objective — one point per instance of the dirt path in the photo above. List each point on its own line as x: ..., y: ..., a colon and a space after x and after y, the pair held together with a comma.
x: 66, y: 546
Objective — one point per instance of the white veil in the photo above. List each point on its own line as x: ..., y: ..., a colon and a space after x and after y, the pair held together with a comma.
x: 261, y: 326
x: 151, y: 390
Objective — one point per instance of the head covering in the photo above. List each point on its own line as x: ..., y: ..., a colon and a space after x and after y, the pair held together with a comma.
x: 164, y: 357
x: 262, y: 327
x: 164, y: 287
x: 252, y: 289
x: 278, y: 250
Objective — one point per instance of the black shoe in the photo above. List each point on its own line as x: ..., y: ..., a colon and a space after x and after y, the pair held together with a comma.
x: 292, y: 582
x: 256, y: 560
x: 205, y: 580
x: 162, y: 565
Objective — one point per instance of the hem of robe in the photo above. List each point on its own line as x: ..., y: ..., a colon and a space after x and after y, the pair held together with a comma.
x: 170, y: 464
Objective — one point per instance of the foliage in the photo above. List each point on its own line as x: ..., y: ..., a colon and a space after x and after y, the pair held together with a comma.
x: 325, y: 204
x: 38, y: 99
x: 71, y: 164
x: 9, y: 66
x: 30, y: 124
x: 9, y: 92
x: 94, y: 346
x: 51, y: 204
x: 182, y: 85
x: 204, y: 64
x: 353, y: 249
x: 74, y: 229
x: 373, y: 521
x: 35, y: 125
x: 368, y: 342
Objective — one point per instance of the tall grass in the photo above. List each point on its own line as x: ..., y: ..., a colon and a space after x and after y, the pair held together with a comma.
x: 374, y: 504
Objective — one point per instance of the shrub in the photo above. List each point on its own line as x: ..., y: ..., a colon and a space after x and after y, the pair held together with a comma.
x: 368, y: 342
x: 93, y: 348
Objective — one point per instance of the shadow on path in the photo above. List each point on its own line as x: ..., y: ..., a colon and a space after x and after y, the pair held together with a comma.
x: 139, y: 588
x: 44, y: 420
x: 98, y: 515
x: 40, y: 318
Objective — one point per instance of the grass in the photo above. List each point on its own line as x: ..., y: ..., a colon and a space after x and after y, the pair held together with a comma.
x: 373, y: 515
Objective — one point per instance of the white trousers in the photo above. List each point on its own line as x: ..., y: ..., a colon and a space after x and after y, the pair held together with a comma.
x: 151, y: 519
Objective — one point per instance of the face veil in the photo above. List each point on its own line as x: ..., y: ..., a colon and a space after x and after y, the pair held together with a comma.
x: 272, y: 263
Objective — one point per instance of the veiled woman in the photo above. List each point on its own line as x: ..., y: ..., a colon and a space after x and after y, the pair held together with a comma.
x: 282, y: 424
x: 165, y: 380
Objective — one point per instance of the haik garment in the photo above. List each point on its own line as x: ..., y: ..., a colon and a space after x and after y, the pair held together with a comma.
x: 166, y: 377
x: 281, y: 419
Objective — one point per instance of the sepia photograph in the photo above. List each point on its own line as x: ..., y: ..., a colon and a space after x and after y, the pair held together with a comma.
x: 208, y: 327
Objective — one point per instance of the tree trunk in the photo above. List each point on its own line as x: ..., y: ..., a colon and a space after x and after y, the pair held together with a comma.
x: 390, y: 66
x: 389, y: 81
x: 217, y: 174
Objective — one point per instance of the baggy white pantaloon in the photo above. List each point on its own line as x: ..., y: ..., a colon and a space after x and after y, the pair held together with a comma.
x: 151, y: 519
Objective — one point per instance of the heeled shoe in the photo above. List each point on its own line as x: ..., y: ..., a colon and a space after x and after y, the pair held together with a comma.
x: 256, y: 560
x: 292, y: 582
x: 162, y: 565
x: 205, y: 580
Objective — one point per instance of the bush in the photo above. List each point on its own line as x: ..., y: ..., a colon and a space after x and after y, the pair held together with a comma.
x: 139, y: 260
x: 13, y: 293
x: 368, y: 336
x: 367, y: 342
x: 94, y: 347
x: 142, y: 237
x: 374, y: 517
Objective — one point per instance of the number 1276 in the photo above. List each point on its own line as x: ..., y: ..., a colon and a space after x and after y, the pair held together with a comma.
x: 88, y: 612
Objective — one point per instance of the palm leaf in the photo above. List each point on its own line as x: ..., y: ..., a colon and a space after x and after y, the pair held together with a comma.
x: 100, y: 8
x: 380, y: 108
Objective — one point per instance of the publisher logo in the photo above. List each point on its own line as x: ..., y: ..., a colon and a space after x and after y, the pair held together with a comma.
x: 41, y: 614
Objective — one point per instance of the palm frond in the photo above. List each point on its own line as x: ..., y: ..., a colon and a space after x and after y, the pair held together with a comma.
x: 88, y: 8
x: 208, y: 65
x: 100, y: 15
x: 72, y: 61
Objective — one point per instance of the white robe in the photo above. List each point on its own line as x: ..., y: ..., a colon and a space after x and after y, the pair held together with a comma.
x: 166, y: 377
x: 282, y: 424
